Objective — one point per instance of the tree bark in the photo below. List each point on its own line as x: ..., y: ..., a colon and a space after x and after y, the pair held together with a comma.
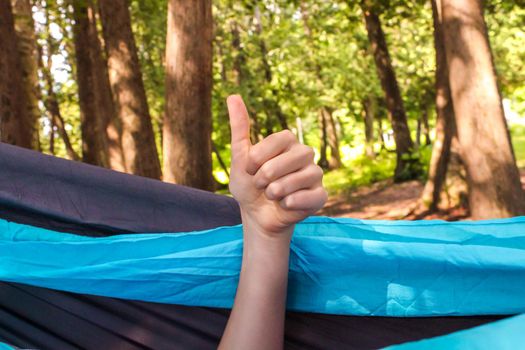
x: 138, y: 140
x: 53, y: 109
x: 494, y: 181
x: 333, y: 139
x: 106, y: 108
x: 187, y: 124
x: 25, y: 30
x: 323, y: 142
x: 93, y: 124
x: 445, y: 126
x: 406, y: 167
x: 16, y: 124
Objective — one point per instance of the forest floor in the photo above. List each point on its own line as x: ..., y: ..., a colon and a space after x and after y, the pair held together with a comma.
x: 389, y: 201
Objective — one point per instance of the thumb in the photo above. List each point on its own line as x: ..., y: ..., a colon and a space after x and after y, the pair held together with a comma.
x: 240, y: 128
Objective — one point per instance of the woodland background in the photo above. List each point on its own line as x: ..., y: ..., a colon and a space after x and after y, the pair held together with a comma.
x: 416, y: 109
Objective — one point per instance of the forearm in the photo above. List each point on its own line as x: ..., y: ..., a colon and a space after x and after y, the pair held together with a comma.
x: 257, y: 318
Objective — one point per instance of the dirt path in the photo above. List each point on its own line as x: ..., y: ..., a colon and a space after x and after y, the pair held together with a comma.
x: 387, y: 200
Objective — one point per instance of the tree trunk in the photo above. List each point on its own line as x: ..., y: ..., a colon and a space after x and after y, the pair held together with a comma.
x: 333, y: 139
x: 380, y: 132
x: 50, y: 99
x: 25, y: 30
x: 16, y: 124
x: 219, y: 159
x: 329, y: 122
x: 272, y: 106
x: 425, y: 126
x: 418, y: 132
x: 187, y: 124
x: 138, y: 140
x: 106, y: 108
x: 406, y: 167
x: 494, y: 181
x: 53, y: 108
x: 369, y: 111
x: 242, y: 75
x: 323, y: 141
x: 94, y: 140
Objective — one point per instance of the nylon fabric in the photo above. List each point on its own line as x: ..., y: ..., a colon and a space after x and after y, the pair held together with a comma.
x: 338, y: 266
x: 507, y: 334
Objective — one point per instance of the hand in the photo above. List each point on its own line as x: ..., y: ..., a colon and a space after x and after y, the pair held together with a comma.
x: 276, y: 181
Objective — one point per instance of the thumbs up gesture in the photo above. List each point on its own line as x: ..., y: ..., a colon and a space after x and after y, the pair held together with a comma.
x: 276, y: 181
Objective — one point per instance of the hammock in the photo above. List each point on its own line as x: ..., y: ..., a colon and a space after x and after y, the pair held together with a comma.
x: 91, y: 258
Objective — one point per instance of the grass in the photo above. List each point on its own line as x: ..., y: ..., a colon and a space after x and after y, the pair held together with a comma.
x: 361, y: 171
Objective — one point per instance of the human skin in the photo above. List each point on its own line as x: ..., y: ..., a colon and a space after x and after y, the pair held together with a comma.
x: 277, y: 184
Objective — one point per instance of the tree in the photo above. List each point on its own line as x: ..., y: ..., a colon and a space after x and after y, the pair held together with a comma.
x: 16, y: 123
x: 272, y: 106
x: 138, y: 141
x: 406, y: 167
x: 445, y: 126
x: 50, y: 98
x: 242, y: 75
x: 101, y: 129
x: 25, y: 31
x: 187, y: 121
x: 493, y: 178
x: 327, y: 125
x: 94, y: 140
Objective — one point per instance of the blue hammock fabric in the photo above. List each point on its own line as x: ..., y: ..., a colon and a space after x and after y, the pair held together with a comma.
x: 338, y: 266
x: 507, y: 334
x: 76, y: 227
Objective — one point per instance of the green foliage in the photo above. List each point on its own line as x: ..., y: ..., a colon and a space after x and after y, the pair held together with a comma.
x: 360, y: 172
x: 301, y: 56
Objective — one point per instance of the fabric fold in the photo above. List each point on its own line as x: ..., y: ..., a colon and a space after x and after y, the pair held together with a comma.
x: 337, y: 266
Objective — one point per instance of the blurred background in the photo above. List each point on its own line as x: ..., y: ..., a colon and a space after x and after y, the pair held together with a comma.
x: 416, y: 109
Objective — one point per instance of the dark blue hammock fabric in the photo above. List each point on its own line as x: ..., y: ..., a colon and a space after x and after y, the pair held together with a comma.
x: 338, y: 266
x: 335, y: 264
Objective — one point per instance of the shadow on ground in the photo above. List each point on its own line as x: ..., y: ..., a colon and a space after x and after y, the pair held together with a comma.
x: 389, y: 201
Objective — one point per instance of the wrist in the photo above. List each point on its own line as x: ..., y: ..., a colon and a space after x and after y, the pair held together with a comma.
x: 264, y: 233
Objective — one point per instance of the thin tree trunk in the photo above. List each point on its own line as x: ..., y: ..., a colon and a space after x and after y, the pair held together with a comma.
x: 15, y: 122
x: 418, y: 132
x: 187, y: 123
x: 323, y: 160
x: 406, y: 167
x: 94, y: 140
x: 50, y: 100
x: 272, y: 106
x: 52, y: 135
x: 445, y: 126
x: 138, y: 140
x: 333, y: 139
x: 25, y: 30
x: 219, y: 159
x: 369, y: 111
x: 425, y: 126
x: 380, y: 131
x: 494, y: 181
x: 242, y: 75
x: 330, y: 125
